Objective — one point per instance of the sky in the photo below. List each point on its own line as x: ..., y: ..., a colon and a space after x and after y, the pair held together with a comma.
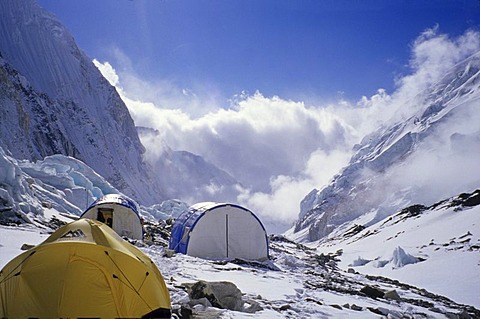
x: 292, y: 49
x: 276, y: 93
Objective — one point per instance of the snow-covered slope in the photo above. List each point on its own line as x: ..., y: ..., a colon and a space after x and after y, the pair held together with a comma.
x: 393, y: 269
x: 421, y: 262
x: 435, y: 247
x: 415, y: 160
x: 55, y: 101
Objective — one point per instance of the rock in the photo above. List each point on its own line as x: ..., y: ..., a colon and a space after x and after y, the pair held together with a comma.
x: 392, y: 295
x: 254, y: 307
x: 435, y: 309
x: 183, y: 312
x: 284, y: 307
x: 462, y: 315
x: 202, y: 301
x: 47, y: 205
x: 169, y: 253
x: 356, y: 308
x: 207, y: 313
x: 377, y: 311
x: 223, y: 294
x: 26, y: 247
x: 314, y: 300
x: 351, y: 271
x: 372, y: 292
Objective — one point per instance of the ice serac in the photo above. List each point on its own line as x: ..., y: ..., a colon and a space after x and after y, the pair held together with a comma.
x: 366, y: 184
x: 55, y: 101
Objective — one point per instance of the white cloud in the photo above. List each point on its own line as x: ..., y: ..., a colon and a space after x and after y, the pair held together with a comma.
x: 280, y: 149
x: 259, y: 139
x: 107, y: 71
x: 445, y: 163
x: 280, y: 206
x: 433, y: 54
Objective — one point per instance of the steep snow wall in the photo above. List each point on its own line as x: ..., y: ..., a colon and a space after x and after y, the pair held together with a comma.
x: 55, y: 101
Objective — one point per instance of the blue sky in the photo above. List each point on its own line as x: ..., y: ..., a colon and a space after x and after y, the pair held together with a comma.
x: 293, y: 49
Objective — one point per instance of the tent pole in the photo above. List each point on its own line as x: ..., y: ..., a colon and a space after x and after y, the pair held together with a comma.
x: 226, y: 231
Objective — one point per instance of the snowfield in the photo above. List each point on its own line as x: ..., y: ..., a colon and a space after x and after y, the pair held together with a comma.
x: 447, y: 239
x: 419, y: 264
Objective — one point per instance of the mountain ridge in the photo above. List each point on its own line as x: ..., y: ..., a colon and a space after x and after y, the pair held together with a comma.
x: 64, y: 104
x: 354, y: 192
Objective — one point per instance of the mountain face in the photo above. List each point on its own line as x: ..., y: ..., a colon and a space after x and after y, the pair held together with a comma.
x: 385, y: 173
x: 195, y: 179
x: 55, y: 101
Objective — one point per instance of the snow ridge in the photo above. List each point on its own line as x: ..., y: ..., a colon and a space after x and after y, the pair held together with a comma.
x: 367, y: 183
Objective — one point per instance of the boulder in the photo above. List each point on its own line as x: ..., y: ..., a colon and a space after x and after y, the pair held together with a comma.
x: 372, y: 292
x: 202, y: 301
x: 222, y: 294
x: 392, y: 295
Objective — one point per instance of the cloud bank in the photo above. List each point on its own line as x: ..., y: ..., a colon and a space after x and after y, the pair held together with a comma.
x: 279, y: 149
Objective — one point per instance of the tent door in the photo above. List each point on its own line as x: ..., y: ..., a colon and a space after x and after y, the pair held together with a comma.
x: 105, y: 215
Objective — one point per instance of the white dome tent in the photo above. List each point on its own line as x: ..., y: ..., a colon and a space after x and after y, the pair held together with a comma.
x: 119, y: 212
x: 219, y: 231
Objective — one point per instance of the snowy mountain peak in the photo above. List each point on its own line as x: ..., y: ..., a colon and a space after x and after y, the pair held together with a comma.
x: 56, y: 101
x: 392, y: 167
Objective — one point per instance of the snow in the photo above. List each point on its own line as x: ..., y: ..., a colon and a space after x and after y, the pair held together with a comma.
x: 413, y: 158
x: 12, y: 239
x: 304, y: 286
x: 62, y: 184
x: 451, y: 268
x: 433, y: 251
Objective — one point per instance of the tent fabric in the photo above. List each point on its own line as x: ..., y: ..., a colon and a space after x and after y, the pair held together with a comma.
x: 123, y: 214
x: 84, y: 269
x: 219, y: 231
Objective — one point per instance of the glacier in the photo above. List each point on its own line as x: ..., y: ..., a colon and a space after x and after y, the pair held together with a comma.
x: 28, y: 190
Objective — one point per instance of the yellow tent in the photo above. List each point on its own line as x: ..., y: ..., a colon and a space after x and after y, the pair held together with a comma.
x: 84, y: 269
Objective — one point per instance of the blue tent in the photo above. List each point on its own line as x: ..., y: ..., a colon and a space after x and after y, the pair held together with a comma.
x: 219, y: 231
x: 119, y: 212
